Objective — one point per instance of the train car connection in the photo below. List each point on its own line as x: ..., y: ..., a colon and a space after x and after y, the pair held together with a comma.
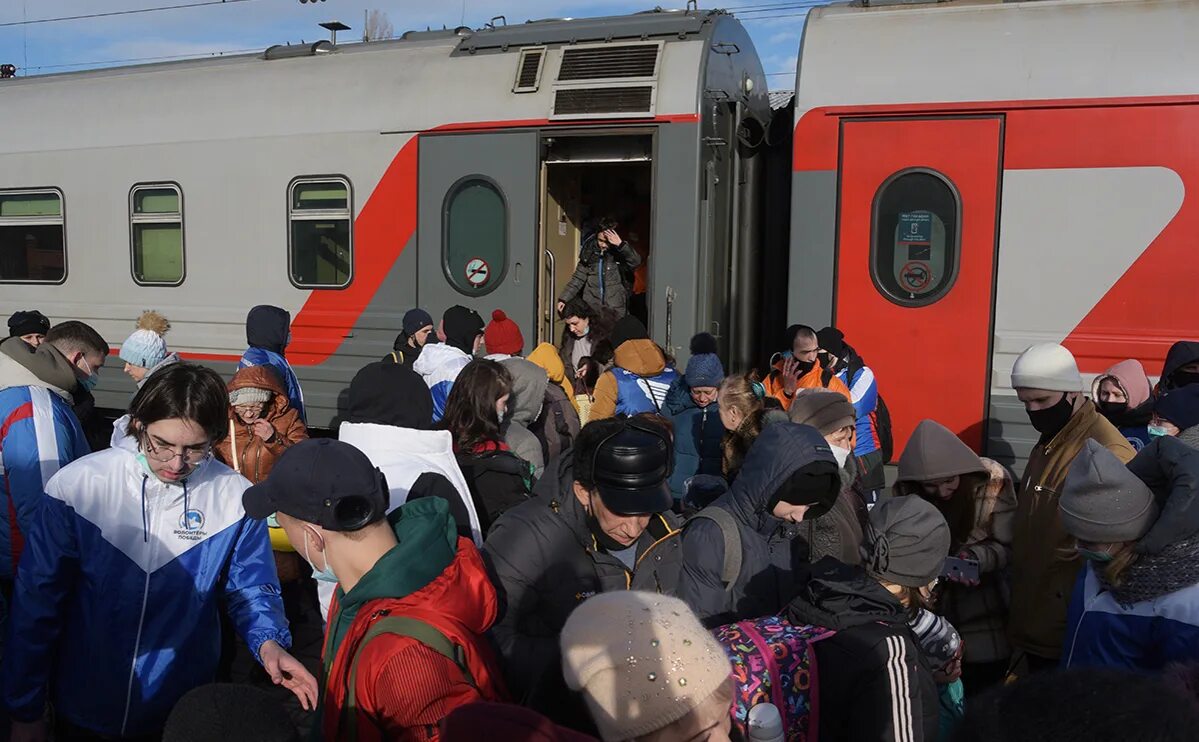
x: 970, y: 178
x: 349, y: 184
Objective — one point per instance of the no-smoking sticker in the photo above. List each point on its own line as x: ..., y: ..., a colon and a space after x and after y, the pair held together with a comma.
x: 477, y: 272
x: 916, y: 276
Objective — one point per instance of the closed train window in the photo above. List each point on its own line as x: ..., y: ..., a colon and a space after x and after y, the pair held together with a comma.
x: 156, y: 234
x: 475, y: 235
x: 915, y: 245
x: 32, y: 237
x: 320, y: 232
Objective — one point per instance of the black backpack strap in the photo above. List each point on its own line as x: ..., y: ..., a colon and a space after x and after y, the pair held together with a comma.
x: 732, y: 543
x: 412, y: 628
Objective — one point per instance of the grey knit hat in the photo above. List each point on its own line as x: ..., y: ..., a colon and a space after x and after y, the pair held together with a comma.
x: 906, y: 542
x: 249, y: 395
x: 825, y: 410
x: 1103, y: 502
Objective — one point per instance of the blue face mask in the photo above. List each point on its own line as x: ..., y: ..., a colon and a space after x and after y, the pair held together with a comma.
x: 322, y: 575
x: 93, y: 377
x: 1102, y: 557
x: 1157, y: 431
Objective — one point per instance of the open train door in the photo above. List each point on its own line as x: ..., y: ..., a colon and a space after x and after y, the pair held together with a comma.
x: 477, y: 231
x: 916, y: 263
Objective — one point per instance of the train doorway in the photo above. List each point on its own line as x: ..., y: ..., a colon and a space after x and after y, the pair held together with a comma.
x: 587, y: 182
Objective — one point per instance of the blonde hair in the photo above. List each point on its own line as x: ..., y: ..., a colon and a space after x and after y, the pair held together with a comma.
x: 714, y: 707
x: 740, y: 393
x: 737, y: 392
x: 1114, y: 571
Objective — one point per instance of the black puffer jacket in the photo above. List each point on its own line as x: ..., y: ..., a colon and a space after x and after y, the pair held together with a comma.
x: 874, y: 684
x: 544, y: 562
x: 768, y: 545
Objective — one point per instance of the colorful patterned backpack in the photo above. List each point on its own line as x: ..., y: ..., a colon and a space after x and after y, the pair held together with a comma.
x: 774, y: 662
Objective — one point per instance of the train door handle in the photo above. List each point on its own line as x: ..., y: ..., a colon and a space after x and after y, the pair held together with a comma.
x: 715, y: 329
x: 516, y: 276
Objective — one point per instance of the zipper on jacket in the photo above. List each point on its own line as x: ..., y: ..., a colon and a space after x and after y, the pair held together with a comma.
x: 141, y: 621
x: 1078, y: 627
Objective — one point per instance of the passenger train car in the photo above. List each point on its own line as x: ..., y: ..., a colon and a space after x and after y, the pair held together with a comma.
x: 972, y: 177
x: 965, y: 178
x: 349, y: 184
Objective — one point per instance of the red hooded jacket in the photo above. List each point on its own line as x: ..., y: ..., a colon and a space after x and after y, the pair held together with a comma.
x: 404, y: 688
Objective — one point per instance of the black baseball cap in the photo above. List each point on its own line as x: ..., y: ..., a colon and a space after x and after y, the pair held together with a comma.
x: 324, y: 482
x: 631, y: 468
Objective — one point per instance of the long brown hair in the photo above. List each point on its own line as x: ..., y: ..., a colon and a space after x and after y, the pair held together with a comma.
x: 470, y: 409
x: 741, y: 393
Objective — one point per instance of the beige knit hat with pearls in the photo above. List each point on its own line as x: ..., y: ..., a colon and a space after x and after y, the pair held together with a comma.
x: 642, y: 661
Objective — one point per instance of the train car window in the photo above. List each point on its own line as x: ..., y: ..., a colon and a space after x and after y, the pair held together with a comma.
x: 156, y: 234
x: 915, y: 245
x: 475, y: 235
x: 320, y: 234
x: 32, y: 237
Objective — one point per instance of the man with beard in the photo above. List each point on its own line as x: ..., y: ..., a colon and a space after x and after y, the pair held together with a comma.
x: 1047, y: 381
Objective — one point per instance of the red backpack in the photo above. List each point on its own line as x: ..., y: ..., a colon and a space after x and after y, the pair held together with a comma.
x: 774, y: 662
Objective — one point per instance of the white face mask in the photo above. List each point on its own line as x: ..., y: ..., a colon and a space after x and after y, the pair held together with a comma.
x: 842, y: 455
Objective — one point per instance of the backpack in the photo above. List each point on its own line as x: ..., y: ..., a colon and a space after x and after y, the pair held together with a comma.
x: 732, y: 543
x: 774, y: 662
x: 493, y: 501
x: 557, y: 425
x: 413, y: 628
x: 881, y: 417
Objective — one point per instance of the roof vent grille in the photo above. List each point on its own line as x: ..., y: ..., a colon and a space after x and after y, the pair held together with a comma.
x: 609, y: 62
x: 528, y: 70
x: 607, y: 102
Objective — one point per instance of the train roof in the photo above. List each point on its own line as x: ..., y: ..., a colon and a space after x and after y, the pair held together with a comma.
x: 658, y: 23
x: 991, y: 50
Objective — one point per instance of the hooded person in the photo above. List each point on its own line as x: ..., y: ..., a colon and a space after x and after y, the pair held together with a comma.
x: 1136, y: 603
x: 39, y: 429
x: 640, y: 377
x: 30, y: 325
x: 738, y: 553
x: 405, y: 643
x: 1175, y: 412
x: 597, y: 279
x: 416, y: 327
x: 691, y: 406
x: 977, y: 498
x: 262, y: 423
x: 839, y: 533
x: 874, y: 682
x: 1046, y: 379
x: 529, y: 383
x: 145, y: 351
x: 1181, y: 367
x: 558, y: 424
x: 600, y: 523
x: 1122, y: 395
x: 461, y: 333
x: 502, y: 337
x: 268, y: 333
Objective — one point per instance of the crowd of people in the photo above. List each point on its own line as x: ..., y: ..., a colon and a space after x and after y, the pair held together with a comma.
x: 586, y: 541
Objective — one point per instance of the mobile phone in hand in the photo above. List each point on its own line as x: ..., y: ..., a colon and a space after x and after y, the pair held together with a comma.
x: 960, y: 569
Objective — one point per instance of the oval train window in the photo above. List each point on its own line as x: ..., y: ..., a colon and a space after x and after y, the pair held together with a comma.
x: 915, y: 245
x: 474, y: 235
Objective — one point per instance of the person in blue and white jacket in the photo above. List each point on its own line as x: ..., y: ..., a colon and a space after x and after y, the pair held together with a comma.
x: 461, y: 335
x: 268, y: 333
x: 132, y: 554
x: 1136, y: 604
x: 39, y: 432
x: 848, y: 366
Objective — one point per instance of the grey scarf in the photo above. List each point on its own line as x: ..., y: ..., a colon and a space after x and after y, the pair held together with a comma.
x: 1150, y: 577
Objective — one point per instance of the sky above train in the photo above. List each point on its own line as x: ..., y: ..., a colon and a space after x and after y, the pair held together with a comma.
x: 33, y: 37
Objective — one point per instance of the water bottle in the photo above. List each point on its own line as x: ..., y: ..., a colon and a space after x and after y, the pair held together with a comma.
x: 765, y: 723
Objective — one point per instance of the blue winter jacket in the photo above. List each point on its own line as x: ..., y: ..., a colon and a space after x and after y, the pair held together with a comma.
x: 116, y: 604
x: 697, y: 436
x: 263, y: 357
x: 39, y: 434
x: 863, y: 392
x: 439, y: 365
x: 765, y: 582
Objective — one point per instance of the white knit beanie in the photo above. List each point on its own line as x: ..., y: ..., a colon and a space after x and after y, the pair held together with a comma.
x: 146, y: 348
x: 642, y: 661
x: 1047, y: 366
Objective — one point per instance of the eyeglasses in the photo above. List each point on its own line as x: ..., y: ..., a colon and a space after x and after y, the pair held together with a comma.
x: 166, y: 454
x: 248, y: 408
